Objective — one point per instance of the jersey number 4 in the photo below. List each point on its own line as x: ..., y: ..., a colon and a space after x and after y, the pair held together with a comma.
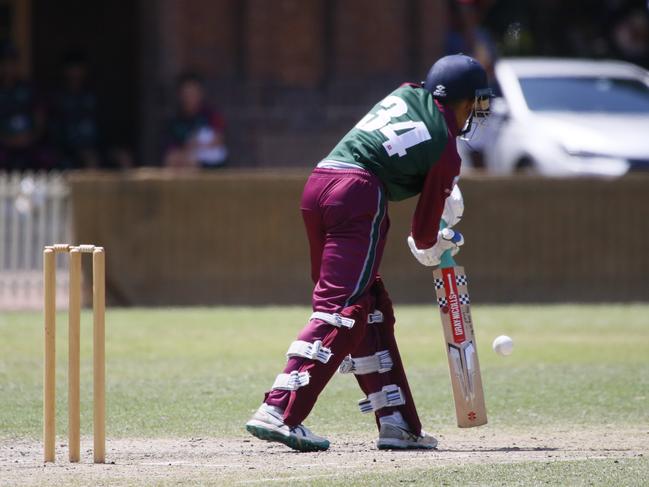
x: 401, y: 135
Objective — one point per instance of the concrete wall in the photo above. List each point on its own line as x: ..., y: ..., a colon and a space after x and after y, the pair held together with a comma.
x: 236, y: 237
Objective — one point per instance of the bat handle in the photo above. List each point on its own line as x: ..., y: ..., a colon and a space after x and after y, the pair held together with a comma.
x: 446, y: 260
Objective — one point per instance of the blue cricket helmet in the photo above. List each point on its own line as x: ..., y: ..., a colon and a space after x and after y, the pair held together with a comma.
x: 457, y: 77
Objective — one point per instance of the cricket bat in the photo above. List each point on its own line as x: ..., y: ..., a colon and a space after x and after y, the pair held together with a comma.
x: 454, y: 305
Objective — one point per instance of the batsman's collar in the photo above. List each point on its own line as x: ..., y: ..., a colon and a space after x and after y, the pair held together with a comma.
x: 449, y: 117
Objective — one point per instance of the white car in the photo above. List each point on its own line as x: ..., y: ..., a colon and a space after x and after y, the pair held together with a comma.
x: 568, y: 117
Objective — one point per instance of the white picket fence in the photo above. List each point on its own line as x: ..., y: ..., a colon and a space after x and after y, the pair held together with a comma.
x: 34, y: 212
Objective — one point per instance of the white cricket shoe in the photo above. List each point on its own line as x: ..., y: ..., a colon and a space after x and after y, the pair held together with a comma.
x: 396, y: 437
x: 268, y: 424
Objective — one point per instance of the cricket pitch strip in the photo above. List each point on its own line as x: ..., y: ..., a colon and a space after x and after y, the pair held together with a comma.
x: 247, y: 461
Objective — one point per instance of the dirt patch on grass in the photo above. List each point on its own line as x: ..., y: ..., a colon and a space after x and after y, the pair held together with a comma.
x: 248, y: 461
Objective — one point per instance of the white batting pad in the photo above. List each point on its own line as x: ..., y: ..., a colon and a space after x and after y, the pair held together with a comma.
x: 389, y: 396
x: 379, y: 362
x: 375, y: 317
x: 313, y: 351
x: 335, y: 319
x: 292, y: 381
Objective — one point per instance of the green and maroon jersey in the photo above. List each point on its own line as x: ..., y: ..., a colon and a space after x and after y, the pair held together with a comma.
x: 408, y: 141
x: 398, y: 140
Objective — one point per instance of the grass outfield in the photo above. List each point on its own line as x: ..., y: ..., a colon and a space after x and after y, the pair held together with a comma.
x: 199, y: 373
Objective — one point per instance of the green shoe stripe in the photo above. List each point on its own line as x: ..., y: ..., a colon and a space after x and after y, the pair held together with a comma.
x: 292, y: 441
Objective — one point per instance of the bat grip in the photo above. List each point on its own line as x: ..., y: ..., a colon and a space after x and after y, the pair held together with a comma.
x: 446, y: 260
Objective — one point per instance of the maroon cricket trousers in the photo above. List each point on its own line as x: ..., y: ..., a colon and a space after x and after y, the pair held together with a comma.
x: 346, y: 220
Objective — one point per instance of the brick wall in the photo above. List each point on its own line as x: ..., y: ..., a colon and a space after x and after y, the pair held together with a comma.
x: 284, y: 42
x: 371, y: 39
x: 291, y: 76
x: 199, y: 34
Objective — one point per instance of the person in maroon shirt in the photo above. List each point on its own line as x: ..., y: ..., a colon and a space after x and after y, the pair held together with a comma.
x: 195, y: 135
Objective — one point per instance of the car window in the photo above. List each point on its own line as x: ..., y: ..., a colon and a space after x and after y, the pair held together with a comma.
x: 586, y: 94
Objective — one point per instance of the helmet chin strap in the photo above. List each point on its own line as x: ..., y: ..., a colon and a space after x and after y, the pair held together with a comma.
x: 467, y: 126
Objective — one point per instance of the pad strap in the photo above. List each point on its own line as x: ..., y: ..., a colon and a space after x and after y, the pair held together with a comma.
x: 389, y: 396
x: 313, y: 351
x: 379, y: 362
x: 338, y: 320
x: 376, y: 317
x: 292, y: 381
x: 335, y: 319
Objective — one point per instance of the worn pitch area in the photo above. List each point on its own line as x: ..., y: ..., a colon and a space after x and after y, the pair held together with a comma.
x: 246, y: 460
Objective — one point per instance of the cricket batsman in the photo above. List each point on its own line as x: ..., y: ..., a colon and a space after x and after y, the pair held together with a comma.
x: 405, y: 146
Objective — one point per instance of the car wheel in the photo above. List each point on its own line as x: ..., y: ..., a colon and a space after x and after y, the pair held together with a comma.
x: 525, y: 165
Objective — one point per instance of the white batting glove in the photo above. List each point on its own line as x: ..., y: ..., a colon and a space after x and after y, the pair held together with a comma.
x: 447, y: 239
x: 453, y: 207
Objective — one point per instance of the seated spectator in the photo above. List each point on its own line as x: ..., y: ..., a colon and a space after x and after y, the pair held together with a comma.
x: 467, y: 36
x: 74, y: 119
x: 120, y: 157
x: 631, y: 37
x: 22, y: 118
x: 195, y: 134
